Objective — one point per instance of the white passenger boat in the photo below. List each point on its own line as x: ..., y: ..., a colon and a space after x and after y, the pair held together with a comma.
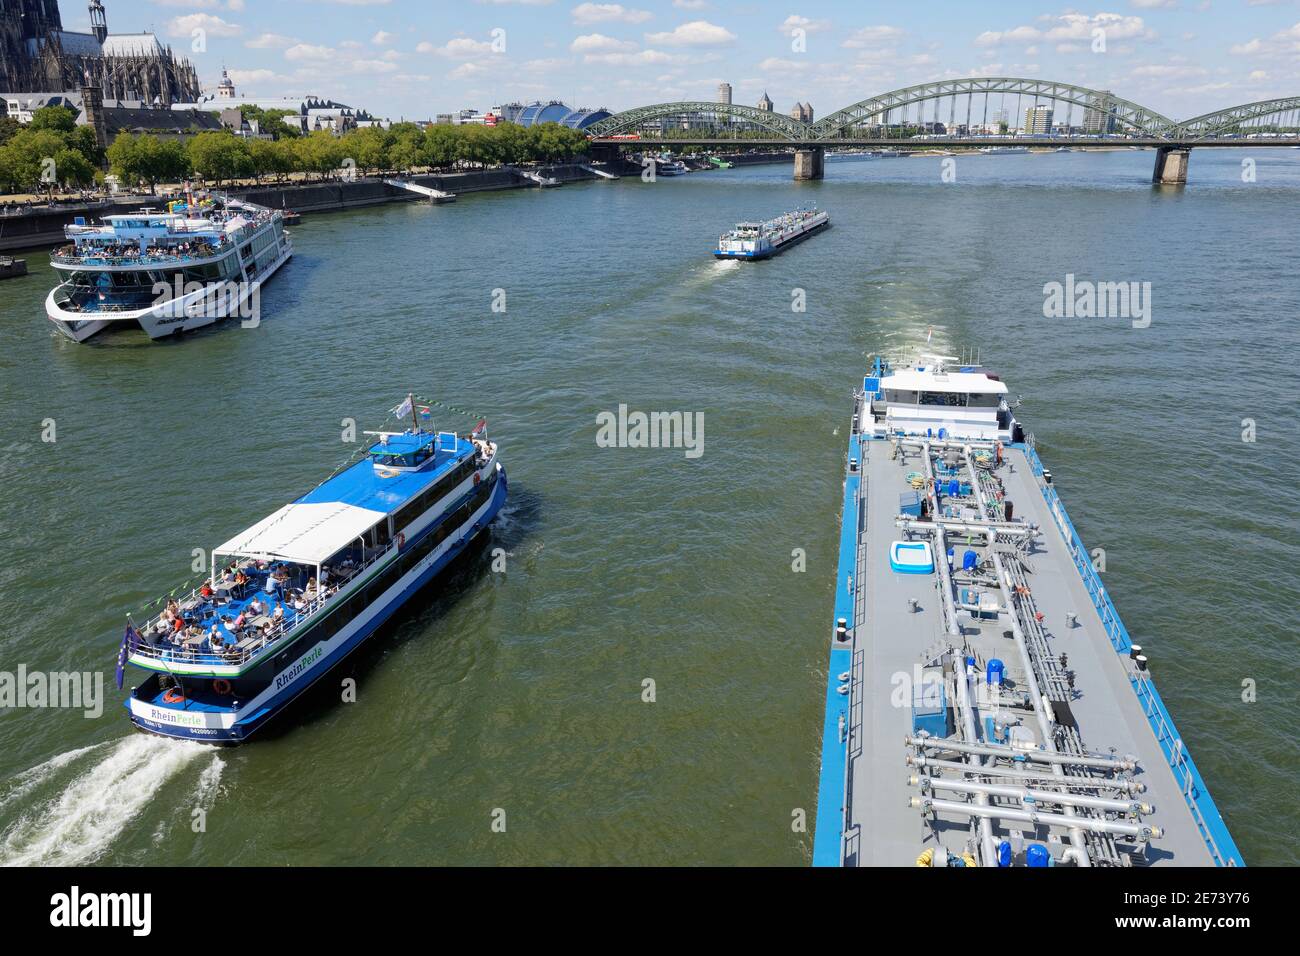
x: 166, y: 272
x: 297, y: 592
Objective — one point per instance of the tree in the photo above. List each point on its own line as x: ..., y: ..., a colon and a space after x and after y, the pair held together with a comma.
x: 73, y: 169
x: 146, y: 158
x: 367, y: 147
x: 57, y: 119
x: 440, y: 145
x: 8, y: 127
x: 220, y: 156
x: 407, y: 152
x: 320, y: 152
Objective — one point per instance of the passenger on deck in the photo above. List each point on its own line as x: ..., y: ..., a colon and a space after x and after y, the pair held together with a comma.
x: 206, y: 590
x: 278, y: 616
x: 257, y: 607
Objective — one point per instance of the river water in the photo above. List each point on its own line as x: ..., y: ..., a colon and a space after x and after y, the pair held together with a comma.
x: 520, y: 697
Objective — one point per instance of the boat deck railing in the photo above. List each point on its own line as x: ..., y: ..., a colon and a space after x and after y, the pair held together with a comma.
x: 1212, y: 829
x: 167, y: 651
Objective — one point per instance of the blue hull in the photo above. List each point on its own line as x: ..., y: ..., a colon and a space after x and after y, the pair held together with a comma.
x: 247, y: 726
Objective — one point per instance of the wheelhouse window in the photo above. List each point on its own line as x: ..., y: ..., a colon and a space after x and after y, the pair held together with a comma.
x: 947, y: 399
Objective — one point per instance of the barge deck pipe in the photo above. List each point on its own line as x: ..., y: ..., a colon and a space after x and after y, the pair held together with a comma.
x: 1042, y: 756
x: 921, y: 761
x: 1139, y: 830
x: 1038, y: 796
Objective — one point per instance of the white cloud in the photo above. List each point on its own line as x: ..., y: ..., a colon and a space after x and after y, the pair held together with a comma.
x: 306, y: 51
x: 462, y: 48
x: 270, y: 41
x: 253, y: 77
x: 1016, y: 35
x: 1283, y: 43
x: 871, y: 36
x: 695, y: 33
x: 794, y: 21
x: 643, y: 58
x: 383, y: 38
x: 690, y: 4
x: 599, y: 43
x: 775, y: 64
x: 213, y: 26
x: 586, y: 14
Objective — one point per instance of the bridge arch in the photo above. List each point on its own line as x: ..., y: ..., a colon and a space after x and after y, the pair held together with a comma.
x: 1221, y: 121
x: 783, y: 126
x: 1124, y: 112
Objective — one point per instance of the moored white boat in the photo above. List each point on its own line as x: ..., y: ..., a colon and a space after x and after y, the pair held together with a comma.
x: 166, y: 272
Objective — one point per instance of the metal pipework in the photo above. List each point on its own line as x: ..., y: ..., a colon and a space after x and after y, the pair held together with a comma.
x: 968, y: 727
x: 1042, y: 756
x: 941, y: 549
x: 949, y: 442
x: 921, y: 761
x: 909, y: 523
x: 1023, y: 793
x: 1141, y: 831
x: 1031, y: 679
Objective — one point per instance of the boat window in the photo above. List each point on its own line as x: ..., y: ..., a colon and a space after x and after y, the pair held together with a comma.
x: 951, y: 399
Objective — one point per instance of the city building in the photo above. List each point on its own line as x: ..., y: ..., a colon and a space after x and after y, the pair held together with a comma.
x: 306, y: 114
x: 1038, y: 120
x: 37, y: 54
x: 1100, y: 117
x: 551, y: 112
x: 21, y: 106
x: 765, y: 103
x: 802, y: 112
x: 724, y: 93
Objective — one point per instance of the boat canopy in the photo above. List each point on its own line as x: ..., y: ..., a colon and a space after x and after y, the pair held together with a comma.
x: 966, y: 383
x: 303, y: 533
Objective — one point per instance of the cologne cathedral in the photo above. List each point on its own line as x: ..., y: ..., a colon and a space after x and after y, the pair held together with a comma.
x: 38, y: 56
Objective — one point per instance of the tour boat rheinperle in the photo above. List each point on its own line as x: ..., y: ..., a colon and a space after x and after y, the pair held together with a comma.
x: 297, y: 592
x: 166, y: 272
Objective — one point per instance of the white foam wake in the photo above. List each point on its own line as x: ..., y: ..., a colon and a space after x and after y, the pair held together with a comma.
x: 80, y: 823
x: 27, y: 781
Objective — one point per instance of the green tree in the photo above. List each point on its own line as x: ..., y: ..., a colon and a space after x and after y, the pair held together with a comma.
x: 440, y: 145
x: 367, y: 147
x: 57, y: 119
x: 8, y: 127
x: 73, y: 169
x: 220, y: 156
x: 321, y: 152
x: 407, y: 152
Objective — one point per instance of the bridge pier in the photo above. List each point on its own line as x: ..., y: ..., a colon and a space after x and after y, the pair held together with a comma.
x: 1171, y: 165
x: 810, y: 163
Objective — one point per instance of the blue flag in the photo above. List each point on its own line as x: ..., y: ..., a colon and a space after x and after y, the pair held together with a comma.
x: 128, y: 644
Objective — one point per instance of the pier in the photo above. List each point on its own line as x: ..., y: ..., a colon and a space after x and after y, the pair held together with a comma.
x: 436, y: 195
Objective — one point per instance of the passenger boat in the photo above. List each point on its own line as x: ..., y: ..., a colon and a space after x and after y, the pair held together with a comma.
x: 762, y: 240
x: 294, y: 594
x: 985, y: 705
x: 11, y: 268
x: 1003, y: 150
x: 166, y: 272
x: 667, y: 166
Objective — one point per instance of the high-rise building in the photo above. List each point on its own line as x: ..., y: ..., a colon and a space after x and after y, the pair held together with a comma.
x: 765, y: 103
x: 1038, y: 120
x: 724, y: 93
x: 1100, y: 117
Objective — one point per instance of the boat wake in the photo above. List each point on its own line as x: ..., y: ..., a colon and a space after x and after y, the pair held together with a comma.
x: 77, y: 825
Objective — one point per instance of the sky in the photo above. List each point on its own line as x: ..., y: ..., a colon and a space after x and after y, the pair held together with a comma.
x: 414, y: 58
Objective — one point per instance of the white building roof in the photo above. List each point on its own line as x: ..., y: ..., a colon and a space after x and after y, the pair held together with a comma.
x: 303, y: 533
x: 133, y: 44
x: 967, y: 383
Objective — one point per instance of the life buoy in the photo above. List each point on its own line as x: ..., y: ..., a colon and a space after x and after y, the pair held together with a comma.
x: 222, y: 686
x: 173, y: 696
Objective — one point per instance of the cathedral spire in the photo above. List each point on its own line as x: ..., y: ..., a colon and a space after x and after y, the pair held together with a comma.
x: 98, y: 21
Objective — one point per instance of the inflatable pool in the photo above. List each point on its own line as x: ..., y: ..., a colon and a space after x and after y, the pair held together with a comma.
x: 911, y: 557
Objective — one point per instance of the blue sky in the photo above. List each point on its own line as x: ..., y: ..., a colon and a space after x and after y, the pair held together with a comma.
x: 414, y: 58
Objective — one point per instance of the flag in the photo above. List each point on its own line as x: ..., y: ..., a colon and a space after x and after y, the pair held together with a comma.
x: 424, y: 411
x: 480, y: 428
x: 129, y: 640
x: 404, y: 409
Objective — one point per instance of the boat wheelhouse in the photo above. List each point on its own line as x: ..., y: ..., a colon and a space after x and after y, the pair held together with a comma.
x: 295, y: 593
x: 751, y: 241
x: 166, y: 272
